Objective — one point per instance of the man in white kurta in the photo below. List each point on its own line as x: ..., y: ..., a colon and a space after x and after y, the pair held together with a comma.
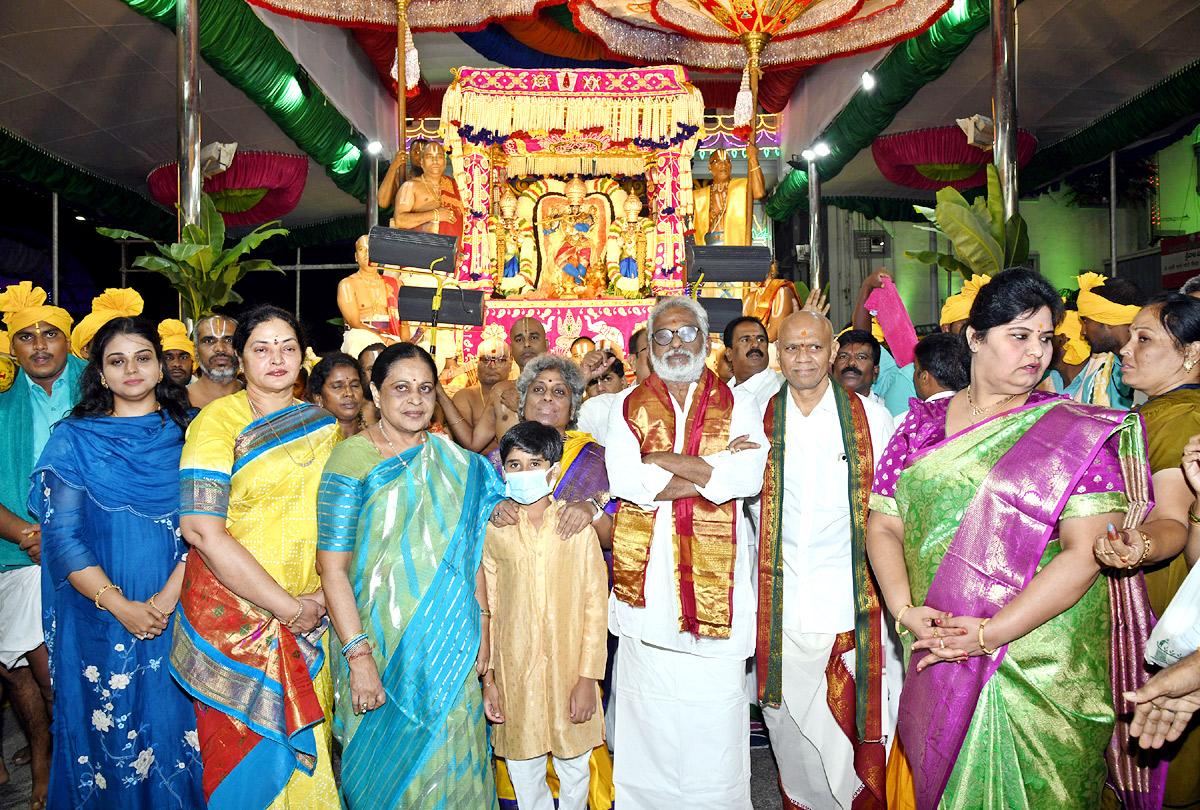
x: 682, y: 736
x: 814, y: 754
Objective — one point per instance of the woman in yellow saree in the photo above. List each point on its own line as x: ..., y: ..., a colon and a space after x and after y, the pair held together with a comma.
x: 247, y: 643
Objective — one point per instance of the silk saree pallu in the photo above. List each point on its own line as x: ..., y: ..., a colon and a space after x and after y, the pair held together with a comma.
x: 704, y: 533
x: 1016, y: 473
x: 417, y: 543
x: 855, y: 699
x: 252, y: 681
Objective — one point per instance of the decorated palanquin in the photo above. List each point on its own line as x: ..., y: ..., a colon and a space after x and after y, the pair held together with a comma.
x: 569, y: 235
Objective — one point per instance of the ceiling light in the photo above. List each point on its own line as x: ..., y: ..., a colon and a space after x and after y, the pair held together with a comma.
x: 80, y: 218
x: 868, y: 80
x: 374, y: 147
x: 821, y: 149
x: 808, y: 155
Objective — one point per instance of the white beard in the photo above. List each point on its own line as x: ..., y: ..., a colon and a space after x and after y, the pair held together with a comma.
x: 223, y: 377
x: 674, y: 373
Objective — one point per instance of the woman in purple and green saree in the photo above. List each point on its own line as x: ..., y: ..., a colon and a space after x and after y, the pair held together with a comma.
x: 992, y: 515
x: 247, y: 644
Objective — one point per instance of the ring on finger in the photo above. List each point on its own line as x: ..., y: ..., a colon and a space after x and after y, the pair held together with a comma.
x: 942, y: 643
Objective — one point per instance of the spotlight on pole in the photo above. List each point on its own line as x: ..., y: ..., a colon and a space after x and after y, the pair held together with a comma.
x: 374, y: 147
x: 821, y: 149
x: 809, y: 155
x: 868, y: 81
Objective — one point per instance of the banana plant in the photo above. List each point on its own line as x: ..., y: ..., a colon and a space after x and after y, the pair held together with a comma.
x: 200, y: 268
x: 984, y: 241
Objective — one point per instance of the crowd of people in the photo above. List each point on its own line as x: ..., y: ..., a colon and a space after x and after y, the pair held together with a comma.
x: 936, y: 579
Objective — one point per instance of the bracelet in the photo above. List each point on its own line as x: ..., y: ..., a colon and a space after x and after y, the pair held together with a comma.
x: 102, y: 590
x: 1195, y: 521
x: 452, y: 424
x: 483, y: 612
x: 1145, y: 549
x: 361, y: 653
x: 150, y: 601
x: 361, y: 637
x: 983, y: 646
x: 599, y: 509
x: 901, y: 630
x: 299, y: 613
x: 483, y: 685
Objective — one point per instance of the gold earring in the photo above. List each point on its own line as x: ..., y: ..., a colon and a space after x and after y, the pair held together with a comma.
x: 103, y: 382
x: 1188, y: 364
x: 160, y: 375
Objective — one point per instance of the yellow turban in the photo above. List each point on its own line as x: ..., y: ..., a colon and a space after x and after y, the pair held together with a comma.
x: 115, y: 302
x: 24, y: 305
x: 1077, y: 349
x: 174, y: 337
x: 1098, y: 308
x: 958, y: 306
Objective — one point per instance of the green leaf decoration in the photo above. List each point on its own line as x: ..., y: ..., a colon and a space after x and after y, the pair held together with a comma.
x: 972, y: 240
x: 1016, y: 241
x: 995, y: 203
x: 942, y: 260
x: 199, y: 267
x: 928, y: 213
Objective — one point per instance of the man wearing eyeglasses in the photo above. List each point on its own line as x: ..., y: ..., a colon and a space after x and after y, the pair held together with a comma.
x: 492, y: 365
x: 683, y: 452
x: 526, y: 340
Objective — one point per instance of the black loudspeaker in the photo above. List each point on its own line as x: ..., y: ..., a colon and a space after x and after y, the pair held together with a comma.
x: 401, y: 248
x: 459, y: 307
x: 728, y: 263
x: 720, y: 312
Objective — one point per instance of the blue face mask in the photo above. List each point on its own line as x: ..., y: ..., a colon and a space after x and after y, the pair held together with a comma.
x: 529, y: 486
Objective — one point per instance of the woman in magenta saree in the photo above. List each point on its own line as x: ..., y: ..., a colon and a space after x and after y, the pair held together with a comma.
x: 990, y: 509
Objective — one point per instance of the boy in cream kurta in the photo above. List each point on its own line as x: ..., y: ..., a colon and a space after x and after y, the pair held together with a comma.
x: 548, y: 603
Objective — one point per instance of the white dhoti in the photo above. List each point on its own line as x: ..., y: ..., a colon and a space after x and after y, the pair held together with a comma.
x: 814, y: 755
x: 20, y: 614
x: 683, y: 735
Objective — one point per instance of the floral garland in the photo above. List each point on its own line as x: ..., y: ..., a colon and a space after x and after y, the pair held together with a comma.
x: 483, y: 136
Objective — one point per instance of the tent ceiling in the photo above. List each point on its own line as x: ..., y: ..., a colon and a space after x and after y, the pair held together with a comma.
x: 93, y: 82
x: 1077, y: 59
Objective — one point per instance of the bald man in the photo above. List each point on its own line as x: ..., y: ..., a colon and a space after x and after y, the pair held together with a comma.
x: 809, y: 545
x: 493, y: 364
x: 526, y: 340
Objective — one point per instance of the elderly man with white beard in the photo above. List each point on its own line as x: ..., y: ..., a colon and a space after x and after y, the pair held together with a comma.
x: 683, y: 451
x: 217, y: 361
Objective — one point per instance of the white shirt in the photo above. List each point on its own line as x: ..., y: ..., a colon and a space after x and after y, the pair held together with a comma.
x: 593, y: 416
x: 735, y: 476
x: 818, y: 580
x: 873, y: 397
x: 764, y: 385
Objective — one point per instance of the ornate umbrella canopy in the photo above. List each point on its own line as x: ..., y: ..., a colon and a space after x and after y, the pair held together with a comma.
x: 422, y: 15
x: 711, y: 34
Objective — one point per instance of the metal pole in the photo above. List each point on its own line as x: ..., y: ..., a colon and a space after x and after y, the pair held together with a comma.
x: 754, y: 42
x: 1004, y: 99
x: 372, y: 192
x: 189, y: 111
x: 1112, y: 213
x: 935, y: 307
x: 297, y: 283
x: 54, y: 248
x: 401, y: 80
x: 815, y: 255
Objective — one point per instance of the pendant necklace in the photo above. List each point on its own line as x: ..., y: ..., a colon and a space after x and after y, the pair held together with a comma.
x: 311, y: 450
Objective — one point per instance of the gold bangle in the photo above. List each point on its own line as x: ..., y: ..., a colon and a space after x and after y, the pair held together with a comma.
x: 1195, y: 521
x: 901, y: 630
x: 100, y: 592
x: 452, y: 424
x: 983, y: 646
x: 483, y: 612
x: 156, y: 607
x: 299, y: 613
x: 483, y: 685
x: 1145, y: 549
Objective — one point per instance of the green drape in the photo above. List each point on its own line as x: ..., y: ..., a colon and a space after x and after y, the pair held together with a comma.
x: 236, y: 44
x: 81, y: 187
x: 906, y: 69
x: 1158, y: 106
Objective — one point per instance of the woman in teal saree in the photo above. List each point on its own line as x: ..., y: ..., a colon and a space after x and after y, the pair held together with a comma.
x: 401, y: 517
x: 987, y: 537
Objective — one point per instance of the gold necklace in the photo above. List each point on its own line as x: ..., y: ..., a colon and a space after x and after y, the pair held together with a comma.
x: 386, y: 438
x: 977, y: 410
x: 312, y: 450
x: 435, y: 190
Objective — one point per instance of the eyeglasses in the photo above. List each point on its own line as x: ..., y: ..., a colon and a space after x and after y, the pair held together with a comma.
x: 687, y: 334
x: 495, y: 361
